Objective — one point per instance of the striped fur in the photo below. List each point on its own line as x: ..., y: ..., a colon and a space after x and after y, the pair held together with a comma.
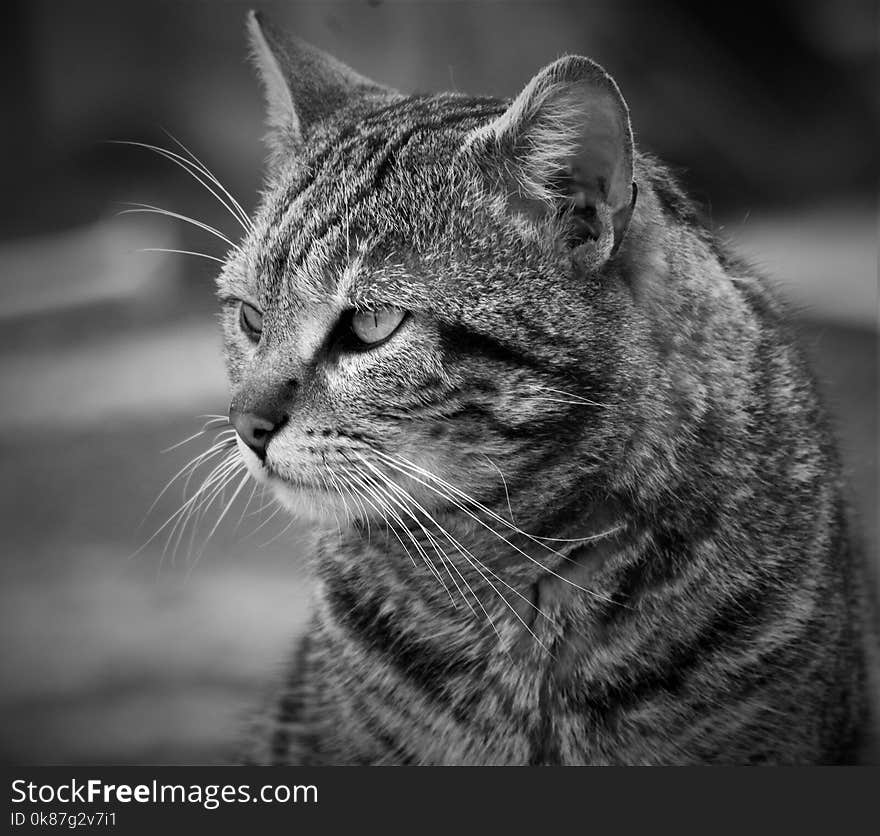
x: 589, y: 507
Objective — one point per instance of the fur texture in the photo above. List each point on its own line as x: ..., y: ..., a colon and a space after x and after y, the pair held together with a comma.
x: 589, y: 508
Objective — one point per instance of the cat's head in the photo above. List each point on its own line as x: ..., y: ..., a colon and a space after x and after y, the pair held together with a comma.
x: 428, y: 301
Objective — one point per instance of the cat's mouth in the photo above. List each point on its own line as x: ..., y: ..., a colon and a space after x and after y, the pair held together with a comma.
x: 303, y: 496
x: 276, y: 477
x: 269, y: 473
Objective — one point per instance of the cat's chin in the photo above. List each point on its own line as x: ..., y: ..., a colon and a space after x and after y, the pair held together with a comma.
x: 311, y: 503
x: 314, y: 505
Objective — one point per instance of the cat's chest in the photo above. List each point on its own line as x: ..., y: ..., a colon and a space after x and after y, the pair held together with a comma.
x: 417, y: 706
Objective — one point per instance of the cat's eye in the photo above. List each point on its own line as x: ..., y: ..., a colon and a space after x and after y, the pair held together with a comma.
x: 374, y: 327
x: 251, y: 321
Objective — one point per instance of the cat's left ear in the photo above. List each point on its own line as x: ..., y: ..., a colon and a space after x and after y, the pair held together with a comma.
x: 303, y: 85
x: 565, y: 145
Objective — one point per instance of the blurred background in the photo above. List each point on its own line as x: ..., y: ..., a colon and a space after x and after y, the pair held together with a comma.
x: 108, y: 354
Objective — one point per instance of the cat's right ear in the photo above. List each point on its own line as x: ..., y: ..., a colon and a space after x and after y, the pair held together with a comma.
x: 303, y: 85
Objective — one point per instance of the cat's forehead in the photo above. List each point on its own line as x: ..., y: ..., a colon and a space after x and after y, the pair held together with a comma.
x: 349, y: 214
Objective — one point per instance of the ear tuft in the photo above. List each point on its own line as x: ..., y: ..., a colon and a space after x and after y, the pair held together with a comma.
x: 566, y: 145
x: 303, y: 85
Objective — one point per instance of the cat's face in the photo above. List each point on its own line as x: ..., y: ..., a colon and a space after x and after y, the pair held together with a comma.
x: 403, y: 318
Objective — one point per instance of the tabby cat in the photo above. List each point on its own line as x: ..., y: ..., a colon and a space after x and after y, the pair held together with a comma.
x: 584, y: 503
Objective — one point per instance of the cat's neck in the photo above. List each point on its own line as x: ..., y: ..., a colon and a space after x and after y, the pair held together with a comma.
x: 485, y: 585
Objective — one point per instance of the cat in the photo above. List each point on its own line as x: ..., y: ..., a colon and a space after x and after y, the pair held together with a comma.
x: 582, y: 501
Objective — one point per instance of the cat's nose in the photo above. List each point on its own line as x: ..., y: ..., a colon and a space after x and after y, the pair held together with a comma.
x: 255, y: 429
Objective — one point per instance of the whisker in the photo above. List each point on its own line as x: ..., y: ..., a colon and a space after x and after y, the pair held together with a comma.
x: 391, y: 461
x: 403, y: 505
x: 246, y: 506
x: 526, y: 600
x: 442, y: 555
x: 186, y: 440
x: 379, y: 510
x: 148, y: 209
x: 180, y: 252
x: 208, y: 173
x: 477, y: 564
x: 194, y: 170
x: 389, y: 525
x: 355, y: 496
x: 432, y: 540
x: 562, y: 400
x: 580, y: 398
x: 383, y: 510
x: 202, y: 499
x: 195, y: 435
x: 175, y: 516
x: 503, y: 482
x: 469, y: 556
x: 198, y: 514
x: 418, y: 546
x: 229, y: 460
x: 279, y: 535
x: 223, y: 440
x: 225, y: 510
x: 271, y: 516
x: 327, y: 486
x: 190, y: 466
x: 512, y: 527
